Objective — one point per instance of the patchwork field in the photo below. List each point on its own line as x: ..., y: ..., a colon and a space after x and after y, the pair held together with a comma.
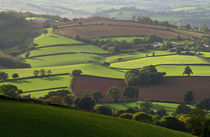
x: 171, y: 89
x: 34, y: 120
x: 128, y: 39
x: 173, y: 59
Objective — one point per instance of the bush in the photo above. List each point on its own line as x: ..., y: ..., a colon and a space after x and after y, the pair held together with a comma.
x: 206, y: 129
x: 85, y: 102
x: 105, y: 110
x: 161, y: 113
x: 10, y: 90
x: 183, y: 109
x: 76, y: 72
x: 56, y: 100
x: 126, y: 116
x: 143, y: 117
x: 204, y: 104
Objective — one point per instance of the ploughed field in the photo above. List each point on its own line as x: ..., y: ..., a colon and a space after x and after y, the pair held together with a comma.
x: 171, y: 89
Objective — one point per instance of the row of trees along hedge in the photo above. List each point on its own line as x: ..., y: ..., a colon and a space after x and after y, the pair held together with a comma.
x: 145, y: 76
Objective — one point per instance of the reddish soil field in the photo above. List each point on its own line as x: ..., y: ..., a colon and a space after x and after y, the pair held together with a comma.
x: 171, y: 89
x: 100, y: 27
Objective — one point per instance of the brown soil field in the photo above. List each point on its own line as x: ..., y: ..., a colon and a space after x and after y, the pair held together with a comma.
x: 102, y: 27
x: 171, y: 89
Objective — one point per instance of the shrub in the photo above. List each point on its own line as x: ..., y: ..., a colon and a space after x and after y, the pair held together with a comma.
x: 143, y: 117
x: 85, y: 102
x: 204, y: 104
x: 183, y: 109
x: 126, y: 115
x: 56, y: 100
x: 105, y: 110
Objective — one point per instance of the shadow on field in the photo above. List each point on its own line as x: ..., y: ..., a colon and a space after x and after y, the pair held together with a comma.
x: 52, y: 78
x: 20, y: 82
x: 158, y: 107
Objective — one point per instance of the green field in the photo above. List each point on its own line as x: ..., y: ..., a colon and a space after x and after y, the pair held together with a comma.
x: 174, y: 70
x: 53, y: 39
x: 64, y: 59
x: 206, y: 54
x: 134, y: 55
x: 66, y: 49
x: 128, y: 39
x: 173, y: 59
x: 87, y: 69
x: 35, y: 120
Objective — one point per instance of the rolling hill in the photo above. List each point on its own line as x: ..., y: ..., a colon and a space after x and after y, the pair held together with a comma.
x: 29, y: 119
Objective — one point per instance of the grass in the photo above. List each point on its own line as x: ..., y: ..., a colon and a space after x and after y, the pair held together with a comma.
x: 27, y: 119
x: 173, y: 70
x: 53, y: 39
x: 41, y: 83
x: 128, y: 39
x: 64, y: 59
x: 173, y: 59
x: 206, y: 54
x: 66, y: 49
x: 134, y: 55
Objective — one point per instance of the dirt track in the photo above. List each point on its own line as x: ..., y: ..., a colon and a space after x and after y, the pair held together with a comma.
x: 172, y: 88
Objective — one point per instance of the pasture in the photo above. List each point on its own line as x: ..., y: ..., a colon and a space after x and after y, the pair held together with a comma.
x: 173, y: 59
x: 34, y: 120
x: 128, y: 39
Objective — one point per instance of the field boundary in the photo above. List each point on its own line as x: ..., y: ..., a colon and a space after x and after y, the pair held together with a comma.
x: 44, y: 90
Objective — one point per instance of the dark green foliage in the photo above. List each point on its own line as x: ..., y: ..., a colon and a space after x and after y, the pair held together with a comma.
x: 147, y: 75
x: 76, y: 72
x: 143, y: 117
x: 131, y: 93
x: 138, y: 41
x: 85, y: 102
x: 204, y: 104
x: 49, y: 72
x: 146, y: 107
x: 10, y: 90
x: 105, y: 110
x: 172, y: 123
x: 97, y: 95
x: 132, y: 110
x: 46, y: 25
x: 196, y: 121
x: 153, y: 38
x: 206, y: 129
x: 114, y: 93
x: 61, y: 93
x: 68, y: 100
x: 189, y: 97
x: 183, y: 109
x: 126, y: 115
x: 15, y: 76
x: 42, y: 72
x: 36, y: 73
x: 3, y: 76
x: 161, y: 113
x: 188, y: 71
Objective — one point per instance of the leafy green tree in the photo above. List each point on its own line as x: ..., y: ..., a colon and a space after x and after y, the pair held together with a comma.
x: 189, y: 97
x: 196, y: 121
x: 146, y: 106
x: 204, y: 28
x: 45, y: 32
x: 187, y: 26
x: 204, y: 104
x: 49, y: 72
x: 36, y: 73
x: 206, y: 129
x: 56, y: 100
x: 188, y: 71
x: 15, y: 76
x: 85, y: 102
x: 143, y: 117
x: 69, y: 100
x: 97, y: 95
x: 114, y: 93
x: 131, y: 93
x: 10, y: 90
x: 126, y: 115
x: 3, y: 76
x: 183, y: 109
x: 76, y: 72
x: 43, y: 72
x: 161, y: 113
x: 105, y: 110
x: 27, y: 54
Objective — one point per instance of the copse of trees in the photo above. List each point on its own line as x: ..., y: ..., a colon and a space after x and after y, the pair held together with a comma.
x: 10, y: 90
x: 97, y: 95
x: 3, y: 76
x: 60, y: 93
x: 131, y: 93
x: 143, y: 117
x: 114, y: 93
x: 76, y: 72
x: 105, y: 110
x: 204, y: 104
x: 146, y: 75
x: 15, y: 76
x: 183, y: 109
x: 85, y: 102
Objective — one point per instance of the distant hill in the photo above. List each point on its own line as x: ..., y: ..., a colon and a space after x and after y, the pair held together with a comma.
x: 20, y: 119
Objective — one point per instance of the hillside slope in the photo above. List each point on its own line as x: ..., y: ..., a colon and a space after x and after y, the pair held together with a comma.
x: 33, y: 120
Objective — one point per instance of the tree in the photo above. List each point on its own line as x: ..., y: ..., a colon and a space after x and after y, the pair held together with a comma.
x: 206, y: 129
x: 45, y: 32
x: 114, y: 93
x: 49, y: 72
x: 36, y: 73
x: 96, y: 95
x: 143, y: 117
x: 76, y: 72
x: 204, y: 104
x: 131, y: 93
x: 146, y: 106
x: 187, y: 26
x: 69, y: 100
x: 153, y: 54
x: 161, y: 113
x: 183, y: 109
x: 10, y: 90
x: 27, y: 54
x: 80, y: 23
x: 126, y: 115
x: 105, y: 110
x: 85, y: 102
x: 189, y: 97
x: 43, y: 72
x: 3, y: 76
x: 133, y: 18
x: 204, y: 28
x: 188, y: 71
x: 56, y: 100
x: 196, y: 121
x: 172, y: 123
x: 15, y: 76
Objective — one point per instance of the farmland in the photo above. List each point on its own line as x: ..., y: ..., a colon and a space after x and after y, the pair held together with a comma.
x: 173, y: 59
x: 34, y: 120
